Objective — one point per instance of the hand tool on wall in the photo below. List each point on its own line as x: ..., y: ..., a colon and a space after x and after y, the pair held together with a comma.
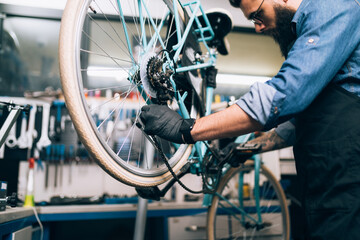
x: 31, y: 132
x: 61, y: 159
x: 38, y: 160
x: 58, y: 105
x: 64, y: 118
x: 14, y: 112
x: 11, y: 140
x: 71, y: 159
x: 44, y: 140
x: 47, y: 159
x: 52, y: 127
x: 23, y: 140
x: 55, y: 151
x: 2, y: 151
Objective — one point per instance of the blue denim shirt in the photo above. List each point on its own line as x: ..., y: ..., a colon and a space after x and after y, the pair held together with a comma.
x: 327, y: 49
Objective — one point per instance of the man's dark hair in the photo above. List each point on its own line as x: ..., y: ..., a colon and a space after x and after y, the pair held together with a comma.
x: 235, y: 3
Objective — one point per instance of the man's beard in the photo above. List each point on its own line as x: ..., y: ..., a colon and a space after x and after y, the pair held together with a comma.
x: 282, y: 33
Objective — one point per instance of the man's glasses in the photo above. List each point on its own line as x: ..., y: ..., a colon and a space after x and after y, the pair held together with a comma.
x: 254, y: 16
x: 235, y: 3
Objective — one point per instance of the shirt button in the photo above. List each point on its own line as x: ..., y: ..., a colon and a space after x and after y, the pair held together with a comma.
x: 311, y: 40
x: 276, y: 110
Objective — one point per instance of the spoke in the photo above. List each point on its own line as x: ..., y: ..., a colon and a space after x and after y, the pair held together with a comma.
x: 127, y: 136
x: 118, y: 115
x: 158, y: 22
x: 107, y: 88
x: 103, y: 69
x: 143, y: 143
x: 106, y: 53
x: 143, y: 139
x: 131, y: 142
x: 112, y: 130
x: 148, y: 19
x: 170, y: 34
x: 102, y: 104
x: 131, y: 127
x: 118, y: 13
x: 108, y: 116
x: 136, y: 22
x: 129, y: 29
x: 112, y: 39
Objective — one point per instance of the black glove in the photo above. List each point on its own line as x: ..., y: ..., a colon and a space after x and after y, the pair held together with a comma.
x: 160, y: 120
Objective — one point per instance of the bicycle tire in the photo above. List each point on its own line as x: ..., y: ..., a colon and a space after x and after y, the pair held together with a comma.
x: 74, y: 58
x: 220, y: 215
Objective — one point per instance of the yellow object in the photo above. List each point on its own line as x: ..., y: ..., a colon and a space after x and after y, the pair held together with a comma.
x: 217, y: 98
x: 29, y: 201
x: 246, y: 191
x: 29, y: 197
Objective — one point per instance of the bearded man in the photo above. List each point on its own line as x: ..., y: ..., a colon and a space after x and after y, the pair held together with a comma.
x: 312, y: 103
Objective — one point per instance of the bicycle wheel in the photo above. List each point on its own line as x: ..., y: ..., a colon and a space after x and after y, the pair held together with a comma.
x: 225, y: 220
x: 105, y: 45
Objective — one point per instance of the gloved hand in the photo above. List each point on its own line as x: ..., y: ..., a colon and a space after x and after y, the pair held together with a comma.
x: 160, y: 120
x: 240, y: 152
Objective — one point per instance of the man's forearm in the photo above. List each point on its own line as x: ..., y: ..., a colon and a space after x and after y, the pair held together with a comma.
x: 270, y: 141
x: 230, y: 122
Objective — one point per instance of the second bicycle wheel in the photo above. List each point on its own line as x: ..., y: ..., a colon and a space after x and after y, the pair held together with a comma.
x: 233, y: 213
x: 109, y: 49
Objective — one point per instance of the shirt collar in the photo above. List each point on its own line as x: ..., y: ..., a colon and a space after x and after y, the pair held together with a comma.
x: 299, y: 14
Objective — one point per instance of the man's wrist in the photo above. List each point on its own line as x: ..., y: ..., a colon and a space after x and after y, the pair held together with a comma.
x: 185, y: 130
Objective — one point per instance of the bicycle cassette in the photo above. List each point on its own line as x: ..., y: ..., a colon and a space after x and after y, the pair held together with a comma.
x: 156, y: 82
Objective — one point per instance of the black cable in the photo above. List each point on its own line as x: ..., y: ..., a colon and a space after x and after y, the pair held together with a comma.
x: 163, y: 158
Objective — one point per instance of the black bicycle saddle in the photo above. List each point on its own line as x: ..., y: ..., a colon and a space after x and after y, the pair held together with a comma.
x: 221, y: 23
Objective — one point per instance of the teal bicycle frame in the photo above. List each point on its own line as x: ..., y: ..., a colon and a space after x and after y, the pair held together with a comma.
x: 198, y: 151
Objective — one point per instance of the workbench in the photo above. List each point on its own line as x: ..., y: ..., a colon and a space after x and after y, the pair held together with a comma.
x: 81, y: 221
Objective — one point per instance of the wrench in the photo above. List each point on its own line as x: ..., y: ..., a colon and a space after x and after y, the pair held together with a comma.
x: 31, y: 133
x: 44, y: 140
x: 23, y: 140
x: 11, y: 140
x: 52, y: 127
x: 2, y: 151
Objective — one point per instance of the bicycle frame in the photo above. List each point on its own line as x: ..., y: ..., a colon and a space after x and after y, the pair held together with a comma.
x: 199, y: 149
x: 195, y: 7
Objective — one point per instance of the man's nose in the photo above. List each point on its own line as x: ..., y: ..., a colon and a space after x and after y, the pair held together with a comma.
x: 259, y: 27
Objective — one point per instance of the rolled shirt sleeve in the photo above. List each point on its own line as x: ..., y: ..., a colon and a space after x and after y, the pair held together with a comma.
x: 258, y: 102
